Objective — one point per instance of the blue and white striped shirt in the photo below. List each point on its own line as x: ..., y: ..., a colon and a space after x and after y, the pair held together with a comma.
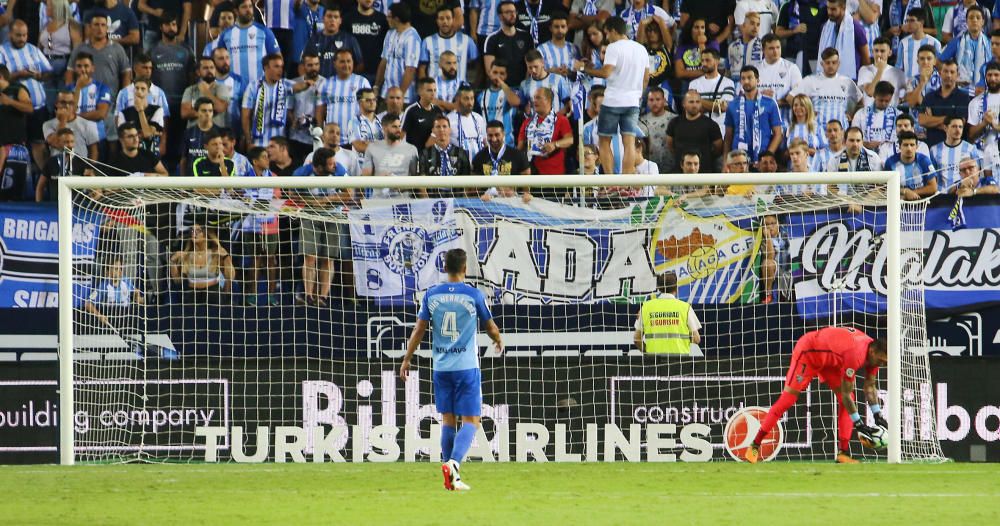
x: 946, y: 158
x: 341, y: 98
x: 908, y: 48
x: 448, y: 88
x: 489, y: 19
x: 816, y: 140
x: 27, y: 57
x: 382, y: 6
x: 822, y: 159
x: 913, y: 175
x: 494, y: 107
x: 126, y: 98
x: 468, y: 132
x: 269, y: 123
x: 247, y: 46
x: 280, y: 13
x: 90, y: 97
x: 401, y: 51
x: 557, y: 57
x: 362, y: 129
x: 460, y: 44
x: 557, y: 83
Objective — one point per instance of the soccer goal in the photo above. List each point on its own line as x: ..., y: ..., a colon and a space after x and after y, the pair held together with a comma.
x: 263, y: 319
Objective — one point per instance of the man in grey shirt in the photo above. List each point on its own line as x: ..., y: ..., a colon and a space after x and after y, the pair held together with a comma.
x: 392, y: 157
x: 111, y: 65
x: 220, y: 94
x: 85, y: 131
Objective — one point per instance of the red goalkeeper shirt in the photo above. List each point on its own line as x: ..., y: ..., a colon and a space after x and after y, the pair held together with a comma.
x: 839, y: 351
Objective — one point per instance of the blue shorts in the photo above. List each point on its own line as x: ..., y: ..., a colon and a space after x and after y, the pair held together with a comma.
x: 458, y: 392
x: 612, y: 121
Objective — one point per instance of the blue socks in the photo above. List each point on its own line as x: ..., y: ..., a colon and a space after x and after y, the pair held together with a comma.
x: 463, y: 442
x: 447, y: 441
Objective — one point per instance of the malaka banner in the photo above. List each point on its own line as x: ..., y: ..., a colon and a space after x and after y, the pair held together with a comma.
x: 545, y: 253
x: 831, y: 260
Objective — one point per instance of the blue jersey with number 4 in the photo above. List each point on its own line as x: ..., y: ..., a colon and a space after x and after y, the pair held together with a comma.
x: 455, y: 311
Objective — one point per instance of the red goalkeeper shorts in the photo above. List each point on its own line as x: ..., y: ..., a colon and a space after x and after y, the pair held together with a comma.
x: 808, y: 364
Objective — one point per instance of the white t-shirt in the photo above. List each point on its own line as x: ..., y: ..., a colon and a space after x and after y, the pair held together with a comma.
x: 831, y: 96
x: 892, y: 75
x: 988, y: 140
x: 720, y: 88
x: 631, y: 62
x: 874, y: 162
x: 765, y: 8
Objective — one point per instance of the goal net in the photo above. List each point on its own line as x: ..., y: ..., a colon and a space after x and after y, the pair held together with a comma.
x: 258, y: 319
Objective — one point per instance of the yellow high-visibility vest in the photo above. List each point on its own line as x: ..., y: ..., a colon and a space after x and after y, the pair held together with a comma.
x: 665, y: 326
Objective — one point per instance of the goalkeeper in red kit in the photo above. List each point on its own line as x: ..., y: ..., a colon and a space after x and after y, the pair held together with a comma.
x: 835, y: 355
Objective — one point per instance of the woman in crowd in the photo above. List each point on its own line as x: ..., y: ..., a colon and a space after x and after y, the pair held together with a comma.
x: 203, y: 266
x: 56, y: 41
x: 687, y: 58
x: 803, y: 125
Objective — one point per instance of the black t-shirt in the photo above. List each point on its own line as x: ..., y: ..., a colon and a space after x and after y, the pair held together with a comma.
x: 151, y: 144
x: 143, y: 162
x: 13, y: 123
x: 697, y: 135
x: 956, y: 104
x: 543, y: 13
x: 203, y: 167
x: 418, y: 123
x: 194, y: 145
x: 370, y: 33
x: 512, y: 162
x: 424, y: 14
x: 813, y: 17
x: 283, y: 172
x: 511, y: 49
x: 429, y: 163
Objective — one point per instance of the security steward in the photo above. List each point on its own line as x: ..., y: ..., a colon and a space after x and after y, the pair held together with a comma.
x: 666, y: 325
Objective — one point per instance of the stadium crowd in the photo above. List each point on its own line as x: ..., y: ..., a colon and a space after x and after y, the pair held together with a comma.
x: 490, y: 87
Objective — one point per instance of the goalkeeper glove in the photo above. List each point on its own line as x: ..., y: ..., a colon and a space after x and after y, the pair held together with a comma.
x: 866, y: 434
x: 880, y: 421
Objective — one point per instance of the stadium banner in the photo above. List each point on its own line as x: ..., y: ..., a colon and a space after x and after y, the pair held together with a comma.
x: 362, y: 412
x: 29, y: 252
x: 588, y: 255
x: 547, y: 253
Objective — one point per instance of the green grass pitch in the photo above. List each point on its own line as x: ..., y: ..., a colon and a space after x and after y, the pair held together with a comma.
x: 503, y: 494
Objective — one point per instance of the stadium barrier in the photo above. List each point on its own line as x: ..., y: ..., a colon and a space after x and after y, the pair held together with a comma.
x: 395, y: 425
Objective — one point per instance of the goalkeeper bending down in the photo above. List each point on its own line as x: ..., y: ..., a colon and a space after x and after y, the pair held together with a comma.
x: 834, y: 354
x: 454, y: 310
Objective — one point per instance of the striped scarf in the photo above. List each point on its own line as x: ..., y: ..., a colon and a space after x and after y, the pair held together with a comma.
x: 533, y: 18
x: 754, y: 147
x: 279, y: 109
x: 539, y: 132
x: 968, y: 63
x: 444, y: 162
x: 633, y: 17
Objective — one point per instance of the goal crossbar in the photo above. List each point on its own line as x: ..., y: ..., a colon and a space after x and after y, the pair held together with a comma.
x: 891, y: 180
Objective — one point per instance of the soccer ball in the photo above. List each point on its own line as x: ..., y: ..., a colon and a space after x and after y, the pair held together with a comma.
x: 879, y: 439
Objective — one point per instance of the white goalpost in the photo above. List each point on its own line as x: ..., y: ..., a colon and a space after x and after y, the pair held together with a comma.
x: 168, y: 354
